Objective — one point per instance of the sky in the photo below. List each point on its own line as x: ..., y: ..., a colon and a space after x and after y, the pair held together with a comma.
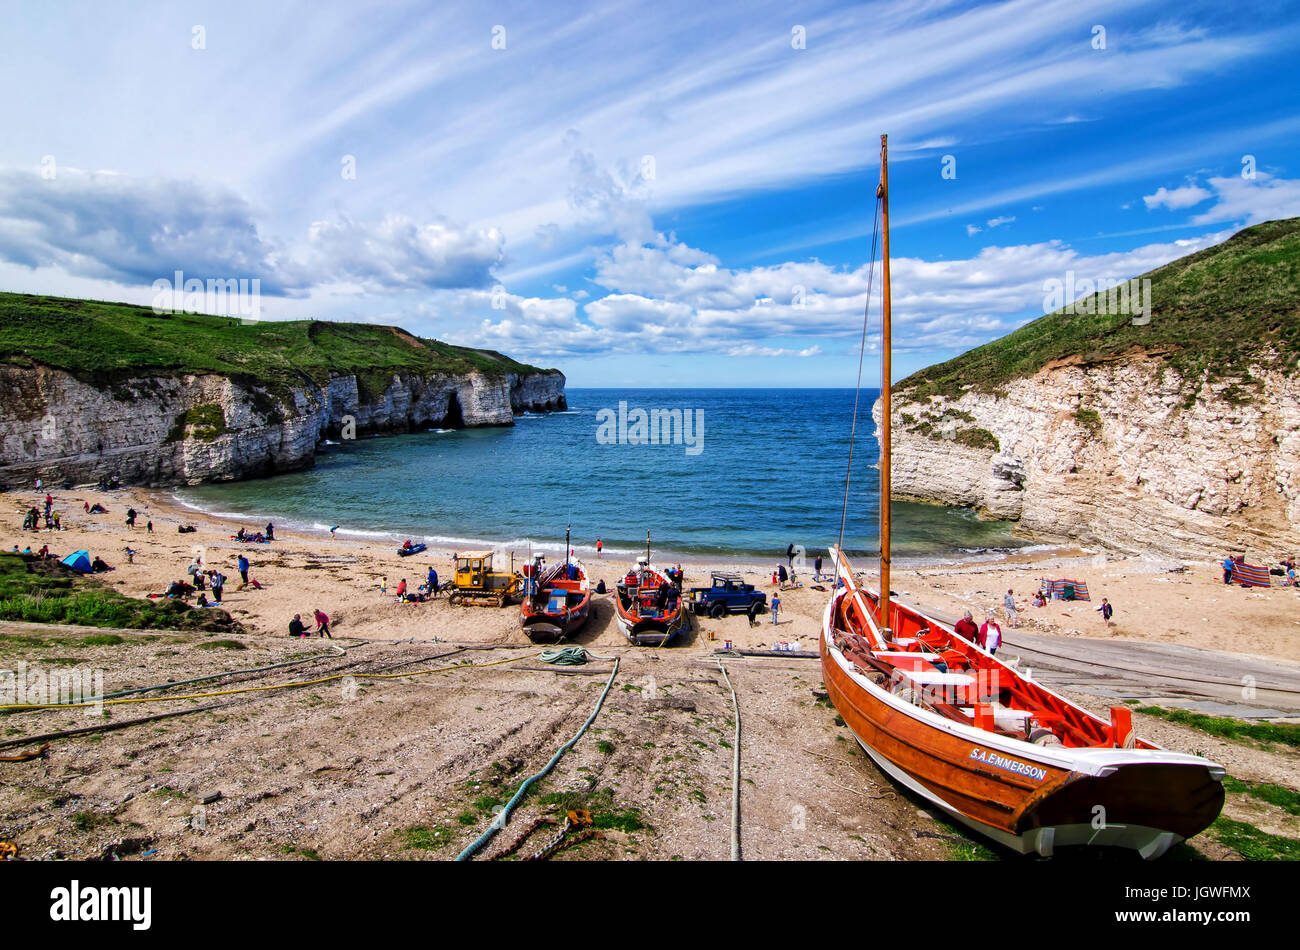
x: 664, y: 194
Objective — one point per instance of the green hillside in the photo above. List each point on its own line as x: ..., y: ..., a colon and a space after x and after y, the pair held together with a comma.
x: 1212, y: 314
x: 102, y: 342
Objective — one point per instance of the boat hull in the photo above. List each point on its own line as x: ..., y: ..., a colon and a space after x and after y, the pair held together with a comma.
x: 544, y: 626
x: 1027, y: 797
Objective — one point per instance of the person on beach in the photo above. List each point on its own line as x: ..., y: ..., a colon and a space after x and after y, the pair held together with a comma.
x: 600, y: 546
x: 432, y: 582
x: 1009, y: 604
x: 817, y: 566
x: 218, y: 582
x: 86, y: 505
x: 58, y: 521
x: 401, y: 589
x: 990, y: 635
x: 1106, y: 610
x: 296, y: 628
x: 149, y: 527
x: 270, y: 531
x: 242, y: 565
x: 130, y: 555
x: 965, y: 627
x: 776, y: 605
x: 130, y: 517
x: 1228, y: 566
x: 49, y: 502
x: 322, y: 623
x: 789, y: 554
x: 332, y: 530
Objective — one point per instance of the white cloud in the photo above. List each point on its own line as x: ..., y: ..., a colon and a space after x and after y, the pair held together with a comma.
x: 1252, y: 201
x: 998, y: 222
x: 1176, y: 198
x: 973, y: 229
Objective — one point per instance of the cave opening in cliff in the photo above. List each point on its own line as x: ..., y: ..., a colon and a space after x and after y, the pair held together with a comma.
x: 454, y: 419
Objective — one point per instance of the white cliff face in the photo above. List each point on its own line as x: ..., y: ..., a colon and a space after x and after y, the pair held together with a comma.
x: 191, y: 429
x: 1109, y: 455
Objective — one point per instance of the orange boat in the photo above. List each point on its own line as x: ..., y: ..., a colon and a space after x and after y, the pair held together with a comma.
x: 984, y: 742
x: 557, y: 600
x: 648, y: 605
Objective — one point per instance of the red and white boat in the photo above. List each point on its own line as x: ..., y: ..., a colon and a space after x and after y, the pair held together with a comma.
x: 558, y: 599
x: 648, y: 605
x: 982, y: 741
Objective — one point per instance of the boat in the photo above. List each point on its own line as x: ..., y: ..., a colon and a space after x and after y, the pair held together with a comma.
x: 405, y: 551
x: 557, y: 600
x: 980, y: 739
x: 648, y: 605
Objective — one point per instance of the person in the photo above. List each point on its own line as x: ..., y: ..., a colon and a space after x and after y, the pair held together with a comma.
x: 333, y: 529
x: 218, y: 582
x: 45, y: 552
x: 990, y: 635
x: 789, y: 554
x: 817, y: 566
x: 98, y: 566
x: 1228, y: 566
x: 179, y: 589
x: 600, y: 546
x: 776, y: 605
x: 270, y: 531
x: 401, y: 589
x: 322, y: 624
x: 58, y: 521
x: 39, y: 484
x: 242, y: 564
x: 149, y: 527
x: 781, y: 573
x: 202, y: 601
x: 406, y: 545
x: 130, y: 556
x: 1039, y: 599
x: 433, y: 582
x: 965, y: 627
x: 296, y: 628
x: 86, y: 505
x: 1009, y: 604
x: 49, y: 502
x: 1106, y: 610
x: 130, y: 517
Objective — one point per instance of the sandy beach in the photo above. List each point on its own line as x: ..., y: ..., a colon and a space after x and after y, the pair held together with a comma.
x: 303, y: 571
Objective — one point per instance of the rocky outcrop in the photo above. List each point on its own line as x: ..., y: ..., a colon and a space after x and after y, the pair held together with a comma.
x: 162, y: 430
x: 1124, y: 455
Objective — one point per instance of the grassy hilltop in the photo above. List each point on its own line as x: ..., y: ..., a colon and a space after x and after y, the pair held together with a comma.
x: 102, y: 342
x: 1212, y: 314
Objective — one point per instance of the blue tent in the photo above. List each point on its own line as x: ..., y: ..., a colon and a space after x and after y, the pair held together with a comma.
x: 79, y: 561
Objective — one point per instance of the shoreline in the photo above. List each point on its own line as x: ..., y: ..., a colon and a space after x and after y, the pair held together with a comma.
x: 1155, y: 600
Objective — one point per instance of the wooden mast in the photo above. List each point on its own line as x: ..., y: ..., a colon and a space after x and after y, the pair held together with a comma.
x: 883, y: 192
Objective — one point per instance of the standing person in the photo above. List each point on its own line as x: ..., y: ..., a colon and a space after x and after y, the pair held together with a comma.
x: 432, y: 582
x: 58, y: 521
x: 1228, y: 567
x: 218, y: 582
x: 1009, y: 604
x: 296, y: 628
x: 130, y: 517
x: 1106, y: 610
x: 270, y: 531
x: 49, y: 502
x: 817, y: 566
x: 789, y: 554
x: 149, y: 527
x: 600, y: 546
x: 776, y: 605
x: 322, y: 623
x: 990, y: 635
x: 965, y: 627
x: 242, y: 564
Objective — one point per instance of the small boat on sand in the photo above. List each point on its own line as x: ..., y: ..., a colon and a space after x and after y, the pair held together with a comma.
x: 648, y: 605
x: 557, y: 600
x: 407, y: 549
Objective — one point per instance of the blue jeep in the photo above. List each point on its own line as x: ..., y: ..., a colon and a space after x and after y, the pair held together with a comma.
x: 728, y: 595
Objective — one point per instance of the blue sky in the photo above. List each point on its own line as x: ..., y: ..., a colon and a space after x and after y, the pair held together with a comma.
x: 635, y: 193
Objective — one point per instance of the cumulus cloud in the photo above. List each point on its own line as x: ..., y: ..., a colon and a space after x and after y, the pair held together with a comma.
x: 136, y: 230
x: 1263, y: 198
x: 1176, y: 198
x: 998, y: 222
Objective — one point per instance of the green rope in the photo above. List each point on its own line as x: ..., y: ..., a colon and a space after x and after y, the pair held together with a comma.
x: 570, y: 656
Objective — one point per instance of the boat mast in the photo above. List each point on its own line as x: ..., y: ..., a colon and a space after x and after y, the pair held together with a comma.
x: 883, y: 193
x: 647, y: 547
x: 567, y: 549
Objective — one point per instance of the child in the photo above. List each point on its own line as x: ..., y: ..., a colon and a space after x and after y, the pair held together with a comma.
x: 1106, y: 610
x: 776, y: 605
x: 322, y: 623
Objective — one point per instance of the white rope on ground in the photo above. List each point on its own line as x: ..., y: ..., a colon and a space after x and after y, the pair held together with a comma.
x: 735, y: 771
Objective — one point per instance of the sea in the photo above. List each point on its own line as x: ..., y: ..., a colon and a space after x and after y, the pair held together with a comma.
x: 726, y: 474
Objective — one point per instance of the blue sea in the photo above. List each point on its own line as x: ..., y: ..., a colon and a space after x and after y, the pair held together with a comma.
x: 766, y: 470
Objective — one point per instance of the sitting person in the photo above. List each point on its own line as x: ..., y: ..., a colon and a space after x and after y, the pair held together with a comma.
x: 203, y: 600
x: 98, y: 566
x: 1039, y: 599
x: 407, y: 545
x: 296, y: 628
x: 401, y: 588
x: 179, y: 589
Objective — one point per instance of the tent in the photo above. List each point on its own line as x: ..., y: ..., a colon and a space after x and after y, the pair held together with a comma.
x: 78, y: 561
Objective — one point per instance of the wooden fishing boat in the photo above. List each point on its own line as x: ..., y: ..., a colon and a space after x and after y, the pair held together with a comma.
x: 978, y: 738
x: 557, y: 600
x: 648, y: 605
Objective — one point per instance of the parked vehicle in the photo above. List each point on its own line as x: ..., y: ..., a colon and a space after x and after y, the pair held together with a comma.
x: 729, y: 594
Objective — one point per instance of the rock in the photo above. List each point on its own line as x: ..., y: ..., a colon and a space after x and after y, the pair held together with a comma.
x: 188, y: 429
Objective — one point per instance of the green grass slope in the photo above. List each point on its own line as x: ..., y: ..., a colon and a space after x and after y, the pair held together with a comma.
x: 1212, y: 314
x: 101, y: 342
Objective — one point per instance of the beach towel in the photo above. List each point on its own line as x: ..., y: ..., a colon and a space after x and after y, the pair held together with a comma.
x: 1248, y: 575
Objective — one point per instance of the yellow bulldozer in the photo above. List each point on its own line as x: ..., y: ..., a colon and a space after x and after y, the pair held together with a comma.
x: 477, y: 584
